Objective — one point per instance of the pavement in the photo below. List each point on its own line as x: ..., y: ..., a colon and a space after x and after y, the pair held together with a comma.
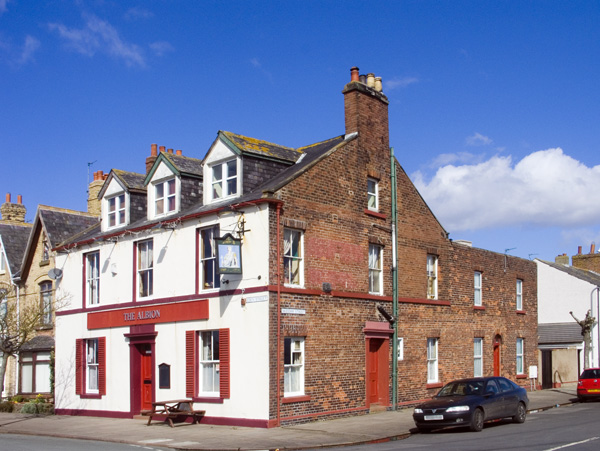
x: 371, y: 428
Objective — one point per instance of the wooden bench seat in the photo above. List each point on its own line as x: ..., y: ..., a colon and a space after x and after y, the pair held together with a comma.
x: 177, y: 413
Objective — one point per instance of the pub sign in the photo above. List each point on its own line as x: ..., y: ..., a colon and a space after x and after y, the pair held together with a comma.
x: 229, y: 255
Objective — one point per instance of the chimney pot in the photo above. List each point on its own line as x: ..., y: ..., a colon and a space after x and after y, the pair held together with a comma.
x: 20, y: 199
x: 8, y: 198
x: 161, y: 149
x: 371, y: 80
x: 363, y: 79
x: 354, y: 74
x: 179, y: 152
x: 578, y: 250
x: 169, y: 150
x: 378, y: 85
x: 593, y: 248
x: 153, y: 151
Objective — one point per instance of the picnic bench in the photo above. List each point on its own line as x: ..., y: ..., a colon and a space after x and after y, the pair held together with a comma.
x: 177, y: 411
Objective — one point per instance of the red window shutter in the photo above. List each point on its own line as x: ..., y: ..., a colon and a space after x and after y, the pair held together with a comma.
x: 224, y: 348
x: 79, y: 371
x: 102, y: 365
x: 190, y: 363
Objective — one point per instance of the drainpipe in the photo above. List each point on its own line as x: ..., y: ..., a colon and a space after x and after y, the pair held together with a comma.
x: 278, y: 395
x: 597, y: 290
x: 394, y: 284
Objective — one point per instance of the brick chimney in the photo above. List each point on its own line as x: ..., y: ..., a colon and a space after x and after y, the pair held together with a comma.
x: 93, y: 202
x: 13, y: 213
x: 366, y: 110
x: 589, y: 261
x: 562, y: 260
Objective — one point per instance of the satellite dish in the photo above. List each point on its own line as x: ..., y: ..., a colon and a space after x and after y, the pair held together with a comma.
x: 55, y: 273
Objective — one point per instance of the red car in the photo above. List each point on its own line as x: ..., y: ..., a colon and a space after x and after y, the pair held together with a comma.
x: 588, y: 386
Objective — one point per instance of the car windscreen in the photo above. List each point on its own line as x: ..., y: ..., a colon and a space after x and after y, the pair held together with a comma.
x: 463, y: 388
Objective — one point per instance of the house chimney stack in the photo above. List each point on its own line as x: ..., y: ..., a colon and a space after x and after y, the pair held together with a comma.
x: 93, y: 202
x: 562, y: 260
x: 13, y: 213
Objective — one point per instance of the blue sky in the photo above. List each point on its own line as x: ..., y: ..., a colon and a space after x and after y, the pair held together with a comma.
x: 494, y: 105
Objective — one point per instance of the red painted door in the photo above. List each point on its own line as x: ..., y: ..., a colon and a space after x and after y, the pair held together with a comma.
x: 497, y: 357
x: 377, y: 371
x: 146, y: 376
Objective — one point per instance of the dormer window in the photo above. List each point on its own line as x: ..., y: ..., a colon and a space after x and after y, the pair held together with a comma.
x: 224, y: 179
x: 165, y: 197
x: 116, y: 210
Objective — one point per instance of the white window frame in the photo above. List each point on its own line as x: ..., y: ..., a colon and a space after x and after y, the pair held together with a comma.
x: 167, y: 202
x: 520, y: 356
x: 92, y: 366
x: 293, y: 257
x: 519, y: 294
x: 225, y: 182
x: 119, y: 213
x: 209, y: 362
x: 400, y: 348
x: 3, y: 261
x: 293, y: 366
x: 478, y: 357
x: 432, y: 276
x: 92, y: 277
x: 375, y: 269
x: 145, y: 268
x: 372, y: 194
x: 477, y: 289
x: 432, y: 361
x: 208, y: 258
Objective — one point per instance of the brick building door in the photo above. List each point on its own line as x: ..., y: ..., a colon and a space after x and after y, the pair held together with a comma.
x: 497, y: 345
x: 377, y: 371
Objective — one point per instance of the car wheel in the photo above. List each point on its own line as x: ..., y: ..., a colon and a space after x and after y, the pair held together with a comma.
x: 520, y: 415
x: 477, y: 421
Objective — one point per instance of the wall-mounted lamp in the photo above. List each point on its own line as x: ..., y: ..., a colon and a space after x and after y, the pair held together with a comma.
x: 326, y: 287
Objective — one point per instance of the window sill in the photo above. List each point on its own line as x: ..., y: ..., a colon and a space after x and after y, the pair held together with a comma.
x: 375, y: 214
x: 521, y: 312
x: 44, y: 262
x: 90, y: 396
x: 434, y: 385
x: 478, y: 307
x: 291, y: 399
x: 521, y: 376
x: 208, y: 399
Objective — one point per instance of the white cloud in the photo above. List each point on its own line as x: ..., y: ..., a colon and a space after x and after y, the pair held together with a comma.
x: 546, y: 188
x: 399, y: 82
x: 160, y: 48
x: 478, y: 139
x: 3, y: 4
x: 29, y: 48
x: 99, y: 36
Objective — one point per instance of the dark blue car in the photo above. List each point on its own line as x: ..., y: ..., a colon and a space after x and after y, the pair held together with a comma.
x: 471, y: 402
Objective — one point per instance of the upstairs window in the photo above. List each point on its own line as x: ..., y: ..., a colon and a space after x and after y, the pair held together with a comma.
x: 293, y: 262
x: 477, y: 289
x: 519, y: 294
x: 45, y: 249
x: 3, y: 265
x: 209, y: 278
x: 92, y: 275
x: 372, y: 194
x: 165, y: 197
x: 46, y: 303
x: 224, y: 180
x: 145, y: 268
x: 432, y: 275
x: 375, y: 269
x: 116, y: 210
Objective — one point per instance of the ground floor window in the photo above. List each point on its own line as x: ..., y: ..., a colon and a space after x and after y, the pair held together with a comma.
x: 520, y: 357
x: 478, y: 357
x: 293, y: 364
x: 90, y: 366
x: 432, y: 360
x: 207, y: 363
x: 35, y: 372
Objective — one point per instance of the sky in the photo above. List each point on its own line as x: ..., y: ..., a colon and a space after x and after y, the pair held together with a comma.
x: 494, y: 105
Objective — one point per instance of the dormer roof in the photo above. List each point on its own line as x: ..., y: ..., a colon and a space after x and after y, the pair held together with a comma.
x: 256, y: 147
x: 130, y: 181
x: 180, y: 165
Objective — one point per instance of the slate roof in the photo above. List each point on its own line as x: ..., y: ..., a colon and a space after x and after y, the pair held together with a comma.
x: 261, y: 148
x: 38, y: 342
x: 131, y: 180
x: 559, y: 333
x: 582, y: 274
x: 14, y: 239
x: 184, y: 165
x: 61, y: 224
